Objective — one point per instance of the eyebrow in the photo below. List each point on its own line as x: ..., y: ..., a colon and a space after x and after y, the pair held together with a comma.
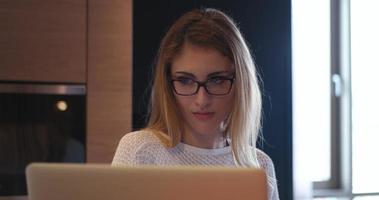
x: 208, y: 76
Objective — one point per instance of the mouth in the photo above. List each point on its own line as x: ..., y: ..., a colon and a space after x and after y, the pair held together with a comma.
x: 203, y: 115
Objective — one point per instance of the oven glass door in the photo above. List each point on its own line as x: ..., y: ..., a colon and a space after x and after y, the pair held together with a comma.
x: 38, y: 128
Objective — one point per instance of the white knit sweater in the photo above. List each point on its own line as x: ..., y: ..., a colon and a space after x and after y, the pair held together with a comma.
x: 145, y: 148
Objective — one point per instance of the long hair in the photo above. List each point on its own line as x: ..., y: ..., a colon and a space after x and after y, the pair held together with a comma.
x: 214, y: 29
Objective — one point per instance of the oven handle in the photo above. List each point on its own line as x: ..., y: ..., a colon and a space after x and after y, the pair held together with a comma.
x: 31, y: 88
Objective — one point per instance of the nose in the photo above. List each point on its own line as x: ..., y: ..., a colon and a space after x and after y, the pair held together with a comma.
x: 203, y: 99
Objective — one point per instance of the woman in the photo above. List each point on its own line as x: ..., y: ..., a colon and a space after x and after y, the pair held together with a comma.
x: 205, y: 101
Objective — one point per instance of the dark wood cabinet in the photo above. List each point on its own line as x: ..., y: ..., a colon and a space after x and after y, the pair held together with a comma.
x: 109, y: 83
x: 43, y: 41
x: 85, y: 42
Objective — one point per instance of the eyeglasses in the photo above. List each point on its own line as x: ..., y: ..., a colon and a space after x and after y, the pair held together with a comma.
x: 218, y: 86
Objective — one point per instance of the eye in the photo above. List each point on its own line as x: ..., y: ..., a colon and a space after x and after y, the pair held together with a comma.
x: 217, y: 80
x: 185, y: 81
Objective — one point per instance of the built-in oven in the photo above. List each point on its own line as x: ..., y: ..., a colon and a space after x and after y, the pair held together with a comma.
x: 39, y: 123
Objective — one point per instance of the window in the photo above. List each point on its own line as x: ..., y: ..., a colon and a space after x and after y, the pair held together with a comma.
x: 365, y: 95
x: 311, y: 81
x: 335, y: 92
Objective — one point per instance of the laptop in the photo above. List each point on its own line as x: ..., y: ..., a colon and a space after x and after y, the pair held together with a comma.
x: 46, y: 181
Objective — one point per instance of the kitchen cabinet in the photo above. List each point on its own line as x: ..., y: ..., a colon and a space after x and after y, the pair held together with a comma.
x: 109, y: 82
x: 84, y: 42
x: 43, y: 41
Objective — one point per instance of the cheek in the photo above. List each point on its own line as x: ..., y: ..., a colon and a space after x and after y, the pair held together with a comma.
x: 181, y: 103
x: 229, y: 102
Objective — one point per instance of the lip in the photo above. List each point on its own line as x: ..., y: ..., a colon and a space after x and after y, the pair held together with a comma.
x: 203, y: 115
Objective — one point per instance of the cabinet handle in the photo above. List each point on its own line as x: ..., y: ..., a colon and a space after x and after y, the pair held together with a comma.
x: 31, y: 88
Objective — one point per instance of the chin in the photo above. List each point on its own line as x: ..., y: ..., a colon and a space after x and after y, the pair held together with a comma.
x: 205, y: 130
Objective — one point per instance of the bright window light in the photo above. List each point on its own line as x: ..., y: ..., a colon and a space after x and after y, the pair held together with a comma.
x: 367, y: 198
x: 365, y: 95
x: 311, y: 89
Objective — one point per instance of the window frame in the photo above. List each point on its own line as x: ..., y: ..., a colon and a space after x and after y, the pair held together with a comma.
x: 340, y: 184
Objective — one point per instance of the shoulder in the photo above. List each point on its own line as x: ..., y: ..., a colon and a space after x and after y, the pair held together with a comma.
x: 265, y: 163
x: 263, y: 159
x: 138, y: 138
x: 136, y: 148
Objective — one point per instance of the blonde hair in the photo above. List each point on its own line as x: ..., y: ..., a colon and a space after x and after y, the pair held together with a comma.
x: 209, y: 28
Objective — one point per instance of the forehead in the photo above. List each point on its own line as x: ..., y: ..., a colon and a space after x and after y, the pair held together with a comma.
x: 200, y: 61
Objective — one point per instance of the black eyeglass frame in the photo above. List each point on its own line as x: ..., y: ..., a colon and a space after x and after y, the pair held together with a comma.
x: 203, y: 84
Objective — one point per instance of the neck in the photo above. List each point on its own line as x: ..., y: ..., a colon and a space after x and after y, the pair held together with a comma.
x: 206, y: 141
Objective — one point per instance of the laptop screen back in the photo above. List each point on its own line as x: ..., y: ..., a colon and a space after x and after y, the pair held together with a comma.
x: 95, y: 182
